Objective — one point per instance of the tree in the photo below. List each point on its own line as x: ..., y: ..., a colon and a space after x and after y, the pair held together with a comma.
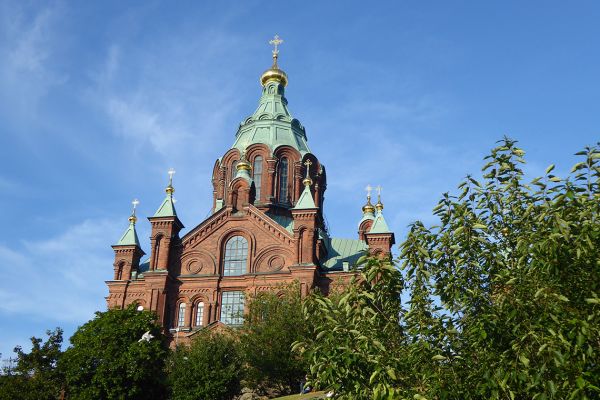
x: 504, y: 296
x: 108, y: 359
x: 210, y: 368
x: 516, y: 267
x: 274, y: 321
x: 36, y: 375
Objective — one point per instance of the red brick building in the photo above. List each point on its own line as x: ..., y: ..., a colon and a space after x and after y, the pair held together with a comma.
x: 266, y: 229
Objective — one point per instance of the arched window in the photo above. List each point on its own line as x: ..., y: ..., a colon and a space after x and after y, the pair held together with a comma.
x: 236, y: 256
x: 181, y: 315
x: 119, y: 272
x: 257, y: 175
x: 234, y: 169
x: 156, y: 252
x: 199, y: 314
x: 283, y: 180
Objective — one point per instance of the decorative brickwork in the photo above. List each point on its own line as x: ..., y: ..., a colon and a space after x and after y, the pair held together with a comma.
x: 279, y: 239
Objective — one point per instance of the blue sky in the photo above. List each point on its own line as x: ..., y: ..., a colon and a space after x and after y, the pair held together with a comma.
x: 99, y: 99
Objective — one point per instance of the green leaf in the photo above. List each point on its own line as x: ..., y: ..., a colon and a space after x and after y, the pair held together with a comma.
x: 439, y: 357
x: 549, y: 169
x: 524, y: 360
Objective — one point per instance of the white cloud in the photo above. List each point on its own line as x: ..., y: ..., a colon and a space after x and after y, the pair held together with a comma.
x: 27, y: 50
x: 61, y: 278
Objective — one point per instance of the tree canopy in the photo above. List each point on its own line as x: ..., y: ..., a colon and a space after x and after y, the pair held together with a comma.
x: 108, y: 359
x: 210, y: 368
x: 503, y: 296
x: 273, y: 322
x: 36, y: 375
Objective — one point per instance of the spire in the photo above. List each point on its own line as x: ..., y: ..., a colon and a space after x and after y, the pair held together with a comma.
x: 379, y: 205
x: 130, y: 237
x: 368, y: 209
x: 306, y: 200
x: 379, y: 225
x: 167, y: 208
x: 274, y: 73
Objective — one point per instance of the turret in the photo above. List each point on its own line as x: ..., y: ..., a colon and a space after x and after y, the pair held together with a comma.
x: 305, y: 215
x: 379, y: 237
x: 127, y: 250
x: 364, y: 225
x: 165, y: 229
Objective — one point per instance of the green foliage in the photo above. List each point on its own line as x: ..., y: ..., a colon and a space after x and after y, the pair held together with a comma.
x: 107, y: 360
x: 504, y: 296
x: 272, y: 323
x: 355, y: 340
x: 36, y: 375
x: 210, y: 368
x: 517, y: 267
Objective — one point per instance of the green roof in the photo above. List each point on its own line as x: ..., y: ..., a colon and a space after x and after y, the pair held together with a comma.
x: 167, y: 208
x: 306, y: 200
x: 272, y: 123
x: 286, y: 222
x: 379, y: 225
x: 340, y: 251
x: 130, y: 237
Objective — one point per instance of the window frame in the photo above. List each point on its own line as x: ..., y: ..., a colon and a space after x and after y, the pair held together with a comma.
x: 235, y: 260
x: 181, y: 309
x: 283, y: 186
x: 232, y: 307
x: 258, y: 161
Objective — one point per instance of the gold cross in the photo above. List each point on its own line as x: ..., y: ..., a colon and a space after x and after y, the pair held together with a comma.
x: 369, y: 188
x: 308, y: 163
x: 276, y: 41
x: 135, y: 202
x: 171, y: 172
x: 378, y: 190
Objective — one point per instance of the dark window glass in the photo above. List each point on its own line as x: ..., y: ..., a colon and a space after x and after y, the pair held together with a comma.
x: 283, y: 180
x: 257, y: 175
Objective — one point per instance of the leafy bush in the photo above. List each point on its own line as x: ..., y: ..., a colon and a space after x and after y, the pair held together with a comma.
x: 107, y: 360
x: 210, y: 368
x: 273, y: 321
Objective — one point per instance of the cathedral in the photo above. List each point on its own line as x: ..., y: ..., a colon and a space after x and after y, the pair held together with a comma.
x: 266, y: 229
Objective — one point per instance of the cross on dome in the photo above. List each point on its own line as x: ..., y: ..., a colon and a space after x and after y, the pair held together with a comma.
x: 307, y: 181
x: 133, y: 218
x: 369, y: 189
x: 276, y: 41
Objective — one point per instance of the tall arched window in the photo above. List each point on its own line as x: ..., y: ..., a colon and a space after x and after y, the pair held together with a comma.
x: 156, y: 251
x: 234, y: 169
x: 236, y: 256
x: 257, y: 175
x: 283, y: 180
x: 181, y: 315
x: 200, y: 314
x: 119, y: 271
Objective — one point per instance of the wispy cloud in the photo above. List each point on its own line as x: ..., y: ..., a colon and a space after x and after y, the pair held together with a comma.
x: 59, y: 279
x: 26, y: 49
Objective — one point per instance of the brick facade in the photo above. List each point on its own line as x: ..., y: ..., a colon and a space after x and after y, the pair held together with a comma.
x: 284, y: 244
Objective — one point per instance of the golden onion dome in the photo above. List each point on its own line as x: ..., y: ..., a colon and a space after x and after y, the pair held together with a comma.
x: 274, y: 74
x: 368, y: 208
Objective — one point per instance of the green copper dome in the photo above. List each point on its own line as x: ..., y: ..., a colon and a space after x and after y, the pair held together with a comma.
x: 272, y: 123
